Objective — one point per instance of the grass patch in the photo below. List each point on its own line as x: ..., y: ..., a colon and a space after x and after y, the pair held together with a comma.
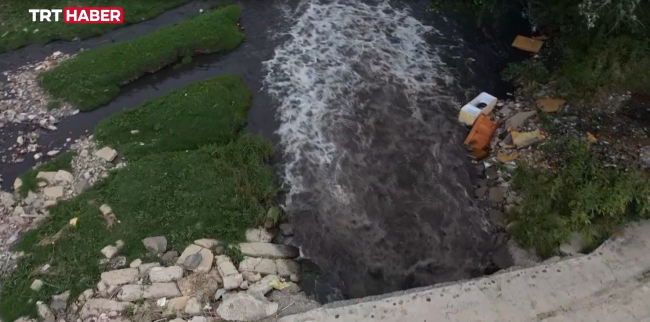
x: 202, y: 187
x: 208, y: 112
x: 579, y: 196
x: 30, y: 183
x: 17, y: 28
x: 94, y: 77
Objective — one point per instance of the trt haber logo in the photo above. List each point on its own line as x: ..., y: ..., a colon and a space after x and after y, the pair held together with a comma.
x: 80, y: 15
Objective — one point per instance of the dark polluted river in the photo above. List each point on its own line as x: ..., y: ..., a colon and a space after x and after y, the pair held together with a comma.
x: 360, y: 99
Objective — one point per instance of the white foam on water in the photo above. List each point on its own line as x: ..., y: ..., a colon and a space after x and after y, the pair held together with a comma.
x: 314, y: 79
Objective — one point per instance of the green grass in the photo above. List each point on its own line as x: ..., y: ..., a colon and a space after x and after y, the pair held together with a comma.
x: 216, y: 185
x: 94, y: 77
x: 17, y: 28
x: 30, y: 183
x: 579, y: 196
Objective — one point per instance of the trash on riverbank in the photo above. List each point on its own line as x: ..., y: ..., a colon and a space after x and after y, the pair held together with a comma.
x: 481, y: 134
x: 482, y: 104
x: 550, y: 105
x: 527, y: 44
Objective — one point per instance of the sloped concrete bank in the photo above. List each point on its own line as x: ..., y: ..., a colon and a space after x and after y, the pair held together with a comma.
x: 610, y: 284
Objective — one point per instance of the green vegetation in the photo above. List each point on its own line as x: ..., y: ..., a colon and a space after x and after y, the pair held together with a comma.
x: 529, y: 74
x: 594, y: 46
x: 195, y: 177
x: 30, y: 183
x: 94, y: 77
x: 52, y: 105
x: 579, y: 196
x: 17, y: 28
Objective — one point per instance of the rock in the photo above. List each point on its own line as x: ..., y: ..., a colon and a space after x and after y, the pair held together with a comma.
x: 36, y: 285
x: 496, y: 194
x: 551, y: 260
x: 135, y: 263
x: 295, y: 278
x: 232, y: 282
x: 201, y: 285
x: 155, y: 245
x: 177, y: 319
x: 160, y: 290
x: 286, y: 229
x: 497, y: 217
x: 245, y: 307
x: 165, y: 274
x: 526, y: 139
x: 7, y: 199
x: 220, y: 292
x: 176, y: 305
x: 243, y: 285
x: 491, y: 173
x: 81, y: 186
x: 109, y: 251
x: 107, y: 154
x: 287, y: 267
x: 198, y: 319
x: 119, y: 244
x: 252, y: 277
x: 263, y: 286
x: 511, y: 227
x: 63, y: 176
x: 170, y: 256
x: 257, y: 235
x: 193, y: 307
x: 18, y: 183
x: 88, y: 294
x: 18, y: 211
x: 131, y: 293
x: 135, y: 131
x: 97, y: 306
x: 518, y: 119
x: 225, y: 266
x: 219, y: 250
x: 206, y: 243
x: 44, y: 312
x: 120, y: 276
x: 205, y: 265
x: 192, y: 262
x: 190, y: 250
x: 105, y: 209
x: 37, y: 156
x: 144, y: 268
x: 117, y: 262
x: 263, y: 266
x: 268, y: 250
x: 573, y: 246
x: 53, y: 192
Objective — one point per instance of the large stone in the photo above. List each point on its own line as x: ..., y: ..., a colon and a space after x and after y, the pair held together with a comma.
x: 263, y: 266
x: 7, y: 199
x: 120, y: 276
x: 60, y: 302
x: 232, y: 282
x: 201, y: 285
x: 264, y: 285
x: 497, y: 194
x: 18, y: 183
x: 94, y: 307
x: 176, y: 305
x: 44, y: 312
x: 36, y: 285
x: 160, y: 290
x: 267, y: 250
x: 155, y: 245
x: 287, y: 267
x: 225, y: 266
x: 131, y: 293
x: 193, y: 307
x: 286, y: 229
x: 518, y: 119
x: 109, y: 251
x: 252, y: 277
x: 190, y: 257
x: 245, y: 307
x: 257, y: 235
x: 165, y: 274
x: 105, y: 209
x: 107, y: 154
x: 81, y: 186
x: 63, y: 176
x: 47, y: 176
x: 53, y: 192
x: 192, y: 262
x: 145, y: 268
x: 206, y: 242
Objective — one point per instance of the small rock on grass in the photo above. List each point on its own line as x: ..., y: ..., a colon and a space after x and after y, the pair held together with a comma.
x: 105, y: 209
x: 135, y: 263
x: 107, y: 154
x: 44, y: 312
x: 109, y: 251
x: 36, y: 285
x: 245, y: 307
x: 155, y: 245
x: 206, y: 242
x: 258, y: 235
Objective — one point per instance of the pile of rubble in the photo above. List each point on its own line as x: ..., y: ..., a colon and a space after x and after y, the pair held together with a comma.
x: 24, y: 103
x: 199, y: 285
x: 21, y: 214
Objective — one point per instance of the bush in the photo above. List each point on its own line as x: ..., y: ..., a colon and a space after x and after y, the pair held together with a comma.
x: 579, y: 195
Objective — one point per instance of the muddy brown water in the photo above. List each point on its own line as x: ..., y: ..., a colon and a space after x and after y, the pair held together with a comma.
x: 395, y: 245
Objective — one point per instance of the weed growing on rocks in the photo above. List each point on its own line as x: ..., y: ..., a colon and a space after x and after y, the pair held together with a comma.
x: 185, y: 188
x: 18, y: 29
x: 30, y: 182
x: 579, y: 195
x: 94, y: 77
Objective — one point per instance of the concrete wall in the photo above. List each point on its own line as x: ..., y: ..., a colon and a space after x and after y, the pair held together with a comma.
x: 610, y: 284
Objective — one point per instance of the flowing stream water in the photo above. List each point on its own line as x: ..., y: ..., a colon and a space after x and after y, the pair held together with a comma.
x: 360, y: 98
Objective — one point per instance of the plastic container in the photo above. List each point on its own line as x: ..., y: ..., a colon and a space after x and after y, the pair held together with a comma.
x: 481, y: 134
x: 470, y: 112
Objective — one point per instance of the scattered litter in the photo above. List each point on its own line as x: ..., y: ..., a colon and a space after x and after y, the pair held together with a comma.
x: 591, y: 138
x: 73, y: 221
x: 162, y: 302
x: 550, y: 105
x: 526, y: 139
x: 527, y: 44
x: 504, y: 158
x: 278, y: 285
x: 483, y: 103
x: 481, y: 134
